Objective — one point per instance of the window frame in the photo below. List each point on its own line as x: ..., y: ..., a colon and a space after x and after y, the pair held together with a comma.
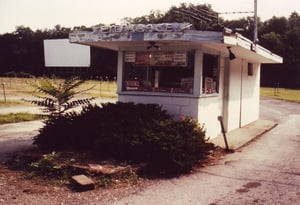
x: 204, y: 91
x: 154, y: 88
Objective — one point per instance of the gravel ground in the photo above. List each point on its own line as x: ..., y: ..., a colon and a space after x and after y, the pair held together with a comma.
x: 14, y: 189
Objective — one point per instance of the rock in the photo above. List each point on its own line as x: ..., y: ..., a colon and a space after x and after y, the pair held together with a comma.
x: 100, y: 169
x: 106, y: 169
x: 79, y: 169
x: 83, y: 183
x: 95, y: 168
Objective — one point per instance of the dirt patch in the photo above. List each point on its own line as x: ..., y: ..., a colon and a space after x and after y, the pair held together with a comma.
x: 18, y: 186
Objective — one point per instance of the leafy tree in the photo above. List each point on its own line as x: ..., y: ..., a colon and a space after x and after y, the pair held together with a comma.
x: 23, y: 32
x: 59, y: 98
x: 277, y: 25
x: 282, y: 36
x: 273, y: 41
x: 293, y: 37
x: 201, y: 16
x: 244, y: 26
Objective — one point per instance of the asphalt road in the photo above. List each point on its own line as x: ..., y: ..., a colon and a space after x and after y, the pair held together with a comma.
x: 19, y: 136
x: 16, y: 137
x: 267, y: 171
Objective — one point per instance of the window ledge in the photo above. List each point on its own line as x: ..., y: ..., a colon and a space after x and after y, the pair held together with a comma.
x: 159, y: 94
x: 209, y: 95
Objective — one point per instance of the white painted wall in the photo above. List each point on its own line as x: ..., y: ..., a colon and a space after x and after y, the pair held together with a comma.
x: 209, y: 110
x: 243, y: 96
x: 234, y: 94
x: 177, y: 106
x: 250, y: 95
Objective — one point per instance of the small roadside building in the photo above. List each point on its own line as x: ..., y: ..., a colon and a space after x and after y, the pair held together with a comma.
x: 199, y: 74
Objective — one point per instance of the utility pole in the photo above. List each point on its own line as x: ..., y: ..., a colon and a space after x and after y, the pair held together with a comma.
x: 4, y: 92
x: 255, y: 39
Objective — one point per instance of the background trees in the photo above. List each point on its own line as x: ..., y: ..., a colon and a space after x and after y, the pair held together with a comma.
x: 282, y: 36
x: 22, y: 50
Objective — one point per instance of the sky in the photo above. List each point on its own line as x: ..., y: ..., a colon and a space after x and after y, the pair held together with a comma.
x: 45, y: 14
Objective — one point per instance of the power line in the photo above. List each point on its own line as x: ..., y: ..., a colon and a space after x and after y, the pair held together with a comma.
x: 237, y: 12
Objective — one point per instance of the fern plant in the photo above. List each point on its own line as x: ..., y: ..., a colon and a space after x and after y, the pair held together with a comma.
x: 57, y: 99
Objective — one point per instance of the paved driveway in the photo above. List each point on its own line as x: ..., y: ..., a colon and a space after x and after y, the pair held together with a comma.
x: 18, y: 136
x: 265, y: 172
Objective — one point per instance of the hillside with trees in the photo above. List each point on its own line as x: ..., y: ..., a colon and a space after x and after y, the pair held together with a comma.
x: 22, y: 50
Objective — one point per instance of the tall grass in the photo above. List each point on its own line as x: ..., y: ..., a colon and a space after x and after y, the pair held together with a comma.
x: 281, y: 94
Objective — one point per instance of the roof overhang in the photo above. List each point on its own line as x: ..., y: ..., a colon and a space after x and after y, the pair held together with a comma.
x: 175, y: 35
x: 246, y: 49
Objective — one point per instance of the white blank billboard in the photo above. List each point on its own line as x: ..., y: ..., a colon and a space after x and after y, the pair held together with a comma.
x: 62, y: 53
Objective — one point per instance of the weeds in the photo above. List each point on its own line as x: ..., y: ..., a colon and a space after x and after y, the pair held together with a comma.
x: 57, y: 168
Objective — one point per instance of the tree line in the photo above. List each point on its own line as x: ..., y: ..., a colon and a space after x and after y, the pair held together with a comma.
x: 22, y: 50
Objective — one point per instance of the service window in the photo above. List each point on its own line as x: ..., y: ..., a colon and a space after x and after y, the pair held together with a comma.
x: 210, y: 81
x: 159, y: 71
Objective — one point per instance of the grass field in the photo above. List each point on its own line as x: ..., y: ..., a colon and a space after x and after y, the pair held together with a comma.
x: 17, y: 88
x: 19, y: 117
x: 281, y: 94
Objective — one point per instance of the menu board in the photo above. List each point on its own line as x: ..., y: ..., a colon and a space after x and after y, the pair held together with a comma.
x: 129, y: 57
x: 159, y: 58
x: 142, y: 58
x: 180, y: 58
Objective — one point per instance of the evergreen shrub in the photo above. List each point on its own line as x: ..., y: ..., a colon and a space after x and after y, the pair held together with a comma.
x: 128, y: 131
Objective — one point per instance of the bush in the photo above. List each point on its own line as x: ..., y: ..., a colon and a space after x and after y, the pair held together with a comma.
x: 175, y: 145
x: 98, y: 128
x: 127, y: 131
x: 55, y: 134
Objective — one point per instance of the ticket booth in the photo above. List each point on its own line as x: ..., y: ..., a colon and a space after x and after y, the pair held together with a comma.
x: 199, y: 74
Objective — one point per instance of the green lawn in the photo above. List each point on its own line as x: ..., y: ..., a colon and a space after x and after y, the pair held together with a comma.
x: 10, y: 103
x: 281, y: 94
x: 19, y: 117
x: 20, y: 87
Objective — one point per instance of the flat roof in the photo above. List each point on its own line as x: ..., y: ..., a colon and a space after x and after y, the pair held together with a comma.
x: 116, y: 37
